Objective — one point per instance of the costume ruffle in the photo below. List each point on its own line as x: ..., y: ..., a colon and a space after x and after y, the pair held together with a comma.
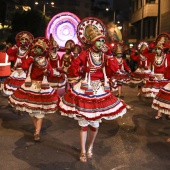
x: 152, y: 87
x: 58, y: 80
x: 76, y: 104
x: 12, y: 83
x: 35, y: 99
x: 162, y: 100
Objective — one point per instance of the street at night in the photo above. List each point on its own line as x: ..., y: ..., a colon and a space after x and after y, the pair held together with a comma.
x: 134, y: 142
x: 84, y: 85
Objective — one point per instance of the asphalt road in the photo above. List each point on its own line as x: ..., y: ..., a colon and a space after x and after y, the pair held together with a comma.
x: 134, y: 142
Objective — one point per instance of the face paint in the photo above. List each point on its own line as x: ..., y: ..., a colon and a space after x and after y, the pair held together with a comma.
x: 99, y: 43
x: 158, y: 51
x: 24, y: 41
x: 38, y: 50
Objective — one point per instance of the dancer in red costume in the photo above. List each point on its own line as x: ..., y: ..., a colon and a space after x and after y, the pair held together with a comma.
x: 90, y: 100
x: 35, y: 96
x: 19, y: 51
x: 161, y: 102
x: 143, y: 71
x: 124, y: 71
x: 67, y: 58
x: 58, y: 80
x: 157, y: 79
x: 159, y: 63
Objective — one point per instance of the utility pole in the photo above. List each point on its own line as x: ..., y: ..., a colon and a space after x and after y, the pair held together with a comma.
x: 159, y: 16
x: 141, y: 31
x: 44, y: 8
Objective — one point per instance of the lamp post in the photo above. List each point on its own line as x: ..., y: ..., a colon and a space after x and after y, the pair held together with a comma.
x: 159, y: 10
x: 141, y: 35
x: 44, y: 5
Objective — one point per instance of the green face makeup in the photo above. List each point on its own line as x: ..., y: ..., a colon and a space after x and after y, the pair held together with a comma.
x: 99, y: 43
x: 38, y: 50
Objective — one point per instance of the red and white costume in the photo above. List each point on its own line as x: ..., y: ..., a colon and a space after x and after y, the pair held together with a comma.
x: 91, y: 99
x: 121, y: 76
x: 161, y: 102
x: 58, y: 80
x: 123, y: 73
x: 18, y: 76
x: 35, y: 95
x: 157, y: 78
x: 143, y: 60
x: 77, y: 102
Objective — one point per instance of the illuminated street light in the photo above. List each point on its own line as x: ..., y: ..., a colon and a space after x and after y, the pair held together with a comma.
x: 107, y: 9
x: 44, y: 5
x: 119, y: 27
x: 1, y: 26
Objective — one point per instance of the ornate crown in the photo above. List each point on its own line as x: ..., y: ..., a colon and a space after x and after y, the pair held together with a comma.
x: 41, y: 42
x: 90, y: 29
x: 24, y: 34
x: 77, y: 49
x: 53, y: 43
x: 69, y: 45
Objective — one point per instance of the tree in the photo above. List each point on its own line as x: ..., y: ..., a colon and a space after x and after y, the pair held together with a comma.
x: 33, y: 21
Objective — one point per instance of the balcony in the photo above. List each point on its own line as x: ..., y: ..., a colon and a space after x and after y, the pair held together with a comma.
x: 149, y: 10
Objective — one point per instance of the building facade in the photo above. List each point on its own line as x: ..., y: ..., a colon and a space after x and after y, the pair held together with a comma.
x: 149, y: 18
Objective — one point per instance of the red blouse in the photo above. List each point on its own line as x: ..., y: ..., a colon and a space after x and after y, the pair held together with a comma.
x: 37, y: 72
x: 84, y: 64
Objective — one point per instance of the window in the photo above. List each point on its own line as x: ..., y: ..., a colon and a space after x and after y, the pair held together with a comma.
x: 150, y: 1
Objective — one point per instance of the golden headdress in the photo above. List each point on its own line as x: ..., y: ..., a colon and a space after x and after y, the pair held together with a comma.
x: 77, y: 49
x: 69, y: 45
x: 162, y: 39
x: 41, y: 42
x: 24, y: 34
x: 53, y: 43
x: 90, y: 29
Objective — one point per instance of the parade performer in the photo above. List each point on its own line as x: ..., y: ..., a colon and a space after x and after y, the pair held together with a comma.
x: 58, y: 80
x: 35, y: 96
x: 161, y: 102
x: 19, y: 50
x: 157, y: 79
x: 77, y: 50
x: 67, y: 58
x: 124, y: 71
x: 5, y: 65
x: 143, y: 59
x: 90, y: 100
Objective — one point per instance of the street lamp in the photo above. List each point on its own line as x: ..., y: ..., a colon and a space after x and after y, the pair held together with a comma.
x: 44, y: 5
x: 119, y: 26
